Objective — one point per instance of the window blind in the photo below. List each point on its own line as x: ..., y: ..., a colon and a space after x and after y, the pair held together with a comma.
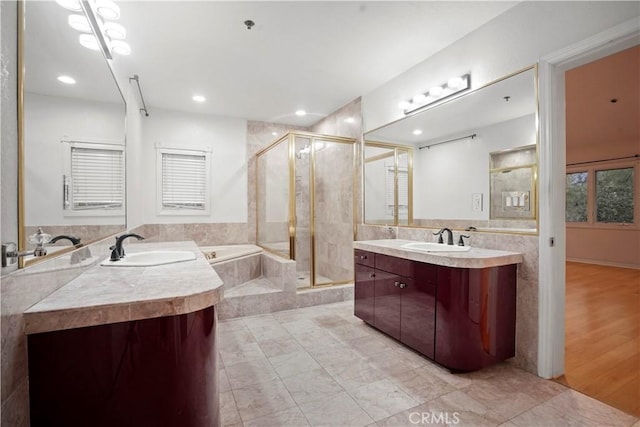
x: 97, y: 178
x: 403, y: 189
x: 184, y: 181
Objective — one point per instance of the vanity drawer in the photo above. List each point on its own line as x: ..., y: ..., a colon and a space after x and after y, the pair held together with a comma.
x: 399, y: 266
x: 363, y: 257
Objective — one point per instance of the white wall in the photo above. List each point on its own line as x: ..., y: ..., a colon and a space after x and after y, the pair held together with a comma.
x: 51, y: 119
x: 227, y: 139
x: 445, y: 176
x: 512, y: 41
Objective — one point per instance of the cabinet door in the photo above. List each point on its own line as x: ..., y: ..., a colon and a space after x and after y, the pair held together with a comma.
x: 364, y: 292
x: 387, y: 303
x: 418, y: 315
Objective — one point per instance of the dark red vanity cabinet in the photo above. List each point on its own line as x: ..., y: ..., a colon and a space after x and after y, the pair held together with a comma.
x: 462, y: 318
x: 403, y: 299
x: 475, y: 316
x: 151, y: 372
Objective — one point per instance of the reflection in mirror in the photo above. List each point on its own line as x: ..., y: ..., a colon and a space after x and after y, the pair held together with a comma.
x: 73, y: 142
x: 388, y: 181
x: 453, y: 144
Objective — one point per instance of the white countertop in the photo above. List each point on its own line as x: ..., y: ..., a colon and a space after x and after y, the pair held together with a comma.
x: 104, y: 295
x: 474, y: 258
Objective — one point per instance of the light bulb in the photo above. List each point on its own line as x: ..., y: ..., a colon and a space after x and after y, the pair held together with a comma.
x: 89, y: 41
x: 79, y: 23
x: 454, y: 82
x: 115, y: 31
x: 419, y: 99
x: 404, y: 105
x: 108, y: 9
x: 120, y: 47
x: 436, y: 91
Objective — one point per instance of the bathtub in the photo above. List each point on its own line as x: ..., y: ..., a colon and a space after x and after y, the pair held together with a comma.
x: 228, y: 252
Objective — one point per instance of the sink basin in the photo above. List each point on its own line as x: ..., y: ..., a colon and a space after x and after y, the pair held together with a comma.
x: 150, y: 258
x: 434, y: 247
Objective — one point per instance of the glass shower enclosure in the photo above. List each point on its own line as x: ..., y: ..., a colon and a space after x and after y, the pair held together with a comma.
x: 305, y: 205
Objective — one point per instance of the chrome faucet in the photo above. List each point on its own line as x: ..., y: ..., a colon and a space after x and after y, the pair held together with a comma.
x: 449, y: 235
x: 117, y: 251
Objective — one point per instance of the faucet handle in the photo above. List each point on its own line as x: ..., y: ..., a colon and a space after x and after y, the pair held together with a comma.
x: 461, y: 241
x: 439, y: 234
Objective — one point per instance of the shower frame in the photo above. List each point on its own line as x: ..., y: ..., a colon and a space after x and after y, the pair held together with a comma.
x: 290, y: 139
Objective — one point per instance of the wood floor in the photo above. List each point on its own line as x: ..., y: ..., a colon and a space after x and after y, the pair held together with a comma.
x: 602, y: 347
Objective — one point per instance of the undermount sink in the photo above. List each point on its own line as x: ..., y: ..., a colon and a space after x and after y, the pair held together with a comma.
x: 434, y: 247
x: 150, y: 258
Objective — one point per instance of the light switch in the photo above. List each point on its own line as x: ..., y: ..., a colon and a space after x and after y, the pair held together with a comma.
x: 477, y: 202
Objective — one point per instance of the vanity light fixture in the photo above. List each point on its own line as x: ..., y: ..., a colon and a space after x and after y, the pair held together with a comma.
x: 435, y: 94
x: 198, y: 98
x: 67, y: 80
x: 107, y: 36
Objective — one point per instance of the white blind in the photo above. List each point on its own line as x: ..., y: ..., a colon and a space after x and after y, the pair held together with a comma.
x: 184, y: 181
x: 403, y: 189
x: 97, y: 178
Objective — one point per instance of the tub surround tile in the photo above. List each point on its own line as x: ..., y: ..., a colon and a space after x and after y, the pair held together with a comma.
x: 116, y: 294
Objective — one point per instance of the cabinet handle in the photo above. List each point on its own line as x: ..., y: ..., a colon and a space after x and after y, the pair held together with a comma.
x: 402, y: 285
x: 372, y: 275
x: 396, y: 284
x: 363, y: 257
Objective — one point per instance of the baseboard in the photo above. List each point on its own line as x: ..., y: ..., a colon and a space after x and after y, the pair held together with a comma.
x: 605, y: 263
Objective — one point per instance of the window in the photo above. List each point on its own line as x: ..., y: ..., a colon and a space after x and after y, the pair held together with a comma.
x: 577, y: 197
x: 403, y: 189
x: 600, y: 195
x: 614, y: 195
x: 93, y: 183
x: 183, y: 182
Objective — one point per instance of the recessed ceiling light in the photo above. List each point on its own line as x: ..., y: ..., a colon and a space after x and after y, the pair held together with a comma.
x: 349, y: 120
x: 417, y: 132
x: 79, y: 23
x: 198, y: 98
x: 73, y: 5
x: 274, y: 133
x: 67, y: 80
x: 301, y: 113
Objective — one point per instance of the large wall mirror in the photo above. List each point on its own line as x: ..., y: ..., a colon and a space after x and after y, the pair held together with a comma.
x: 73, y: 134
x: 471, y: 161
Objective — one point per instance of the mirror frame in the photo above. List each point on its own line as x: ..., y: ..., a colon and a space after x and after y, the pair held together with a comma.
x: 22, y: 238
x: 496, y: 230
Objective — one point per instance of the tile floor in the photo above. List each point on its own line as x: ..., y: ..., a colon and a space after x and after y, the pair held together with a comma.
x: 321, y: 366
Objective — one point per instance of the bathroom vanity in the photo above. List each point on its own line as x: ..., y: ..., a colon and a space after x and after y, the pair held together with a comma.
x: 127, y: 346
x: 456, y: 308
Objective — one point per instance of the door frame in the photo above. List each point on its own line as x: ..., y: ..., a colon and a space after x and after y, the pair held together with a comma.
x: 552, y: 166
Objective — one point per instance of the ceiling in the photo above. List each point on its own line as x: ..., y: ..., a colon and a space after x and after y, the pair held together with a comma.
x: 314, y: 56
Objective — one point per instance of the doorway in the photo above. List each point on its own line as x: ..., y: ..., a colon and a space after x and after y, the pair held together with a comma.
x: 602, y: 323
